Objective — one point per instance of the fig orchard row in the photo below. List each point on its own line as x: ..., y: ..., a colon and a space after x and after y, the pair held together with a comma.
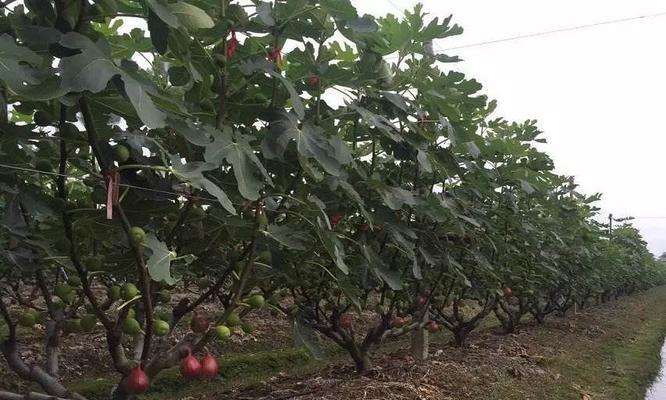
x: 288, y: 154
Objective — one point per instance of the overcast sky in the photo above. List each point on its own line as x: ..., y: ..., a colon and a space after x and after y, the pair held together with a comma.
x: 597, y: 93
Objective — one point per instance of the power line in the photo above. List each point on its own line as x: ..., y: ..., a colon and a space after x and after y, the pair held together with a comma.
x: 543, y: 33
x: 559, y: 30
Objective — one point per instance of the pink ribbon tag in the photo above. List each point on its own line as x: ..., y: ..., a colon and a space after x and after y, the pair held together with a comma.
x: 112, y: 181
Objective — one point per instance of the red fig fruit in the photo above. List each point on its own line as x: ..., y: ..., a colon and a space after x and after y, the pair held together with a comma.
x: 433, y: 327
x: 398, y: 322
x: 137, y: 381
x: 345, y: 321
x: 209, y: 367
x: 190, y: 367
x: 199, y: 324
x: 313, y: 81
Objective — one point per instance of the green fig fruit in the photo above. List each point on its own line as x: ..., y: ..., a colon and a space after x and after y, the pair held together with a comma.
x: 164, y: 296
x: 72, y: 326
x: 265, y: 257
x: 113, y: 293
x: 94, y: 263
x: 161, y: 328
x: 62, y: 244
x: 63, y: 290
x: 247, y: 328
x: 43, y: 165
x: 128, y: 291
x: 131, y: 327
x: 28, y: 318
x: 137, y: 234
x: 121, y: 153
x: 42, y: 118
x: 255, y: 301
x: 88, y: 322
x: 69, y: 131
x: 222, y: 331
x: 74, y: 280
x: 233, y: 319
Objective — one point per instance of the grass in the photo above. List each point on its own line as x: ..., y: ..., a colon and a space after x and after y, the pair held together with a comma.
x: 618, y: 365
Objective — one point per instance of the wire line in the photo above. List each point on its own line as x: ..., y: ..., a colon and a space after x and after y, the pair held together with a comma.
x: 189, y: 196
x: 553, y: 31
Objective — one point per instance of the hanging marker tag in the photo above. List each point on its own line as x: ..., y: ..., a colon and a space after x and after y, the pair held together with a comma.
x: 112, y: 181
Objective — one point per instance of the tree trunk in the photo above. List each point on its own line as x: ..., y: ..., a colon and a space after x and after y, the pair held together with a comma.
x: 539, y: 317
x: 120, y: 392
x: 361, y: 361
x: 420, y: 341
x: 459, y: 336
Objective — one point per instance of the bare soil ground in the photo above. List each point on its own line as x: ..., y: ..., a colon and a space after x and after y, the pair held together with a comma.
x: 604, y: 352
x: 538, y: 362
